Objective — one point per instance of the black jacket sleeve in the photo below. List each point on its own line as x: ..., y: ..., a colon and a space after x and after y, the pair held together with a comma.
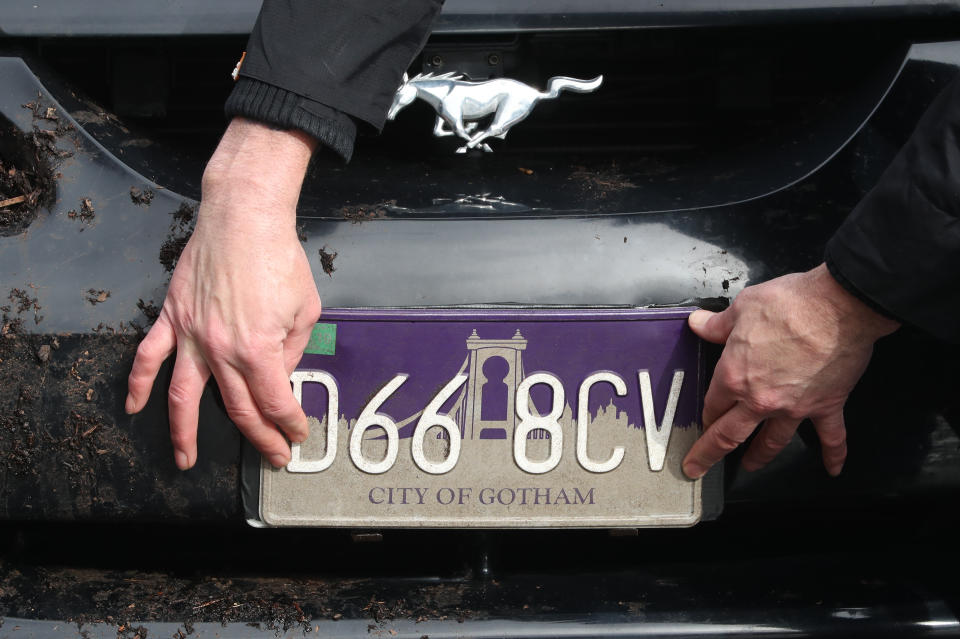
x: 899, y: 250
x: 319, y: 65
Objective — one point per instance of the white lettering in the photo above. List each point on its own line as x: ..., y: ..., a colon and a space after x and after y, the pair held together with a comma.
x: 583, y: 419
x: 658, y: 436
x: 529, y: 422
x: 430, y: 418
x: 370, y: 418
x: 297, y: 465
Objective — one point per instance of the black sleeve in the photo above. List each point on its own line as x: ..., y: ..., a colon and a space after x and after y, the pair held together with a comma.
x: 319, y: 65
x: 899, y: 250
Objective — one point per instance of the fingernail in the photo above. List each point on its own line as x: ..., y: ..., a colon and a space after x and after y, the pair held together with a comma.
x: 699, y: 318
x: 128, y: 405
x: 180, y: 458
x: 279, y: 460
x: 693, y: 470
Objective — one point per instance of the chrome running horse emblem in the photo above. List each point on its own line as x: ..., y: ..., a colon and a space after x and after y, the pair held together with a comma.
x: 459, y: 103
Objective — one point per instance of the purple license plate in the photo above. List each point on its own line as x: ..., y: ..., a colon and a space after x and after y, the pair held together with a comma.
x: 493, y: 418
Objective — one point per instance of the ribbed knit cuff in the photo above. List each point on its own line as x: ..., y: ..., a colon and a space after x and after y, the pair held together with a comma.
x: 270, y: 104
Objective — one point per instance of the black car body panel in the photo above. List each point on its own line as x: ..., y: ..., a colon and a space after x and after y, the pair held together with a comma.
x: 219, y: 17
x: 635, y: 223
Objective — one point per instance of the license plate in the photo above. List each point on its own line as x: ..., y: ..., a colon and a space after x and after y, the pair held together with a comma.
x: 493, y: 418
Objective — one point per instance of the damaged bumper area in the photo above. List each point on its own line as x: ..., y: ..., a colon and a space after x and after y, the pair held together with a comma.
x: 86, y: 248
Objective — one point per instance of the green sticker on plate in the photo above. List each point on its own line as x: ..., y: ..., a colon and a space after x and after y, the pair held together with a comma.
x: 323, y: 340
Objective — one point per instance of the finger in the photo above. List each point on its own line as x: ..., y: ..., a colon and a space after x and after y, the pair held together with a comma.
x: 269, y: 383
x: 719, y: 398
x: 294, y: 345
x: 153, y: 350
x: 190, y: 375
x: 244, y: 413
x: 713, y: 327
x: 728, y: 432
x: 773, y: 437
x: 833, y: 441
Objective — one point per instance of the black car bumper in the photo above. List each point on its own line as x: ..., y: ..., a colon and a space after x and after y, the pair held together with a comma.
x: 797, y: 554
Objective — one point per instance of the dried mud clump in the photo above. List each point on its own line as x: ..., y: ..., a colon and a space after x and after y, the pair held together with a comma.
x: 326, y: 261
x: 122, y: 596
x: 48, y: 419
x: 380, y: 610
x: 149, y: 309
x: 11, y: 324
x: 425, y: 604
x: 48, y: 127
x: 129, y: 631
x: 21, y: 191
x: 286, y: 605
x: 52, y: 432
x: 184, y: 219
x: 20, y: 302
x: 19, y: 437
x: 28, y: 166
x: 358, y: 213
x: 85, y: 213
x: 27, y: 449
x: 601, y: 182
x: 97, y: 296
x: 27, y: 182
x: 170, y: 251
x: 141, y: 197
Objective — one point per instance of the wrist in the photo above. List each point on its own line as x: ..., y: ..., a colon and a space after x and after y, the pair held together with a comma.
x: 847, y: 308
x: 256, y: 163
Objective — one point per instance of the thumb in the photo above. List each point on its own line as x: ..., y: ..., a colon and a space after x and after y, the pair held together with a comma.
x: 713, y: 327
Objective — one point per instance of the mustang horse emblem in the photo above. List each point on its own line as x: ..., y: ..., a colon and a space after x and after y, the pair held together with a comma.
x: 460, y: 103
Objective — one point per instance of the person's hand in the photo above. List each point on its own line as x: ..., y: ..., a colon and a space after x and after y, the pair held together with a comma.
x: 795, y: 348
x: 242, y: 300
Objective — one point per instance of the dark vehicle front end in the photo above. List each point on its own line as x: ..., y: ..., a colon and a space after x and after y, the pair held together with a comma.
x: 726, y: 145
